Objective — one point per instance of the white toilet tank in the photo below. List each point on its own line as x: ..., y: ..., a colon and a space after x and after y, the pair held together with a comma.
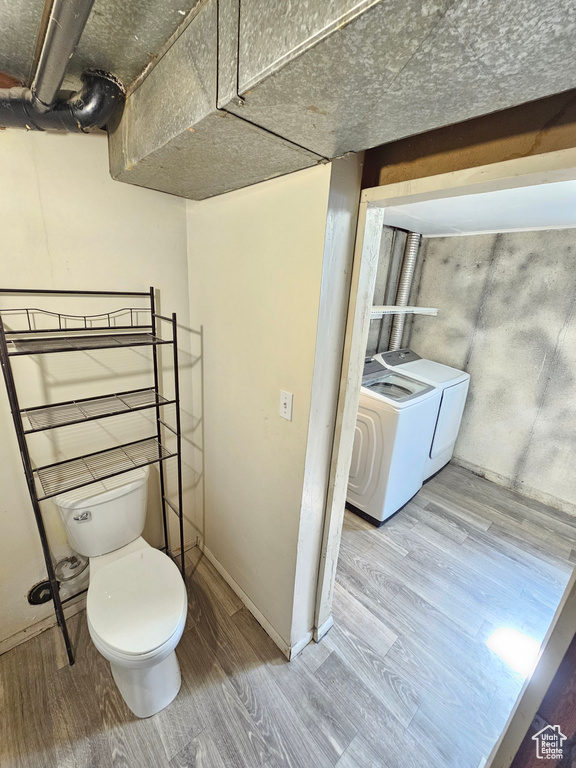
x: 107, y: 515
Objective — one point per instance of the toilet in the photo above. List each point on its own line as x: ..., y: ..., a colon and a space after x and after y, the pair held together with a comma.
x: 137, y: 602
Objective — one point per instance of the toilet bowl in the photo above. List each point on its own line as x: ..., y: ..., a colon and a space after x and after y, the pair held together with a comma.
x: 136, y: 610
x: 137, y: 603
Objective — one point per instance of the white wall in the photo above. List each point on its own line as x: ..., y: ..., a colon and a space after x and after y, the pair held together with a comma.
x: 65, y: 224
x: 255, y: 264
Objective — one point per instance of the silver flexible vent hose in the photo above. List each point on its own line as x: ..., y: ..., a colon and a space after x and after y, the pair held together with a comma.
x: 404, y: 288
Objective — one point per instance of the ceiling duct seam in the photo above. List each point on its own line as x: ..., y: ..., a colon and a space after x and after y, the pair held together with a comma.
x: 178, y: 32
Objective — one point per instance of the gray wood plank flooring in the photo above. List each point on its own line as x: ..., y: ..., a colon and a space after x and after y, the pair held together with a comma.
x: 403, y: 680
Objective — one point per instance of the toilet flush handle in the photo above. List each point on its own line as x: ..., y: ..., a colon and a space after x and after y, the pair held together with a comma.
x: 83, y: 517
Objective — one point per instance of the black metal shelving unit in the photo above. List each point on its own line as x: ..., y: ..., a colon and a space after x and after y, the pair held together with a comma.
x: 48, y: 332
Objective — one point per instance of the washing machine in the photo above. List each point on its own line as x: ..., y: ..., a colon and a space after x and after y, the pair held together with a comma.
x: 453, y: 385
x: 394, y: 429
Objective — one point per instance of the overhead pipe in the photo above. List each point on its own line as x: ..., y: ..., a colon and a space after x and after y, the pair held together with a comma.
x: 65, y: 26
x: 37, y: 107
x: 404, y: 287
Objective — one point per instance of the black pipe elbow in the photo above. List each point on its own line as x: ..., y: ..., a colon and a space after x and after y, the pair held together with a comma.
x: 92, y: 106
x: 89, y: 108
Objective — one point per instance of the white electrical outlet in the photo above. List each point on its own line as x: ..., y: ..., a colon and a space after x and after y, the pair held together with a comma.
x: 286, y: 403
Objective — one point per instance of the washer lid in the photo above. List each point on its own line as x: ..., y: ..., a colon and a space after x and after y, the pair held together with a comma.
x: 434, y: 373
x: 136, y: 603
x: 395, y: 387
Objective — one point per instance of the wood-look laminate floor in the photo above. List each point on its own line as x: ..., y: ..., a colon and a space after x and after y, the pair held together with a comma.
x: 403, y: 680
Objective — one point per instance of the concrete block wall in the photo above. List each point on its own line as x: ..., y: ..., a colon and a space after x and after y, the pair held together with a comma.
x: 507, y: 316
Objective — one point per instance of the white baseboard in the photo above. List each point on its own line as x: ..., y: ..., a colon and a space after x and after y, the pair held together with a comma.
x: 40, y: 626
x: 320, y: 631
x: 298, y: 647
x: 289, y: 651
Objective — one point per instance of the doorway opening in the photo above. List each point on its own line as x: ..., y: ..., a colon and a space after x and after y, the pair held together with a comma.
x: 455, y: 600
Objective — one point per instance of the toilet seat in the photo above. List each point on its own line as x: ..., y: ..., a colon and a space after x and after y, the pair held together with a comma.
x: 138, y: 661
x: 136, y: 606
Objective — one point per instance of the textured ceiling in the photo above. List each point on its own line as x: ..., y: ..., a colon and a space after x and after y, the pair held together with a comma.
x: 122, y: 36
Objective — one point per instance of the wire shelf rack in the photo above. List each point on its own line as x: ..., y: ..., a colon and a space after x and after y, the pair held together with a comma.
x: 34, y: 331
x: 84, y: 470
x: 91, y: 408
x: 43, y: 345
x: 36, y: 320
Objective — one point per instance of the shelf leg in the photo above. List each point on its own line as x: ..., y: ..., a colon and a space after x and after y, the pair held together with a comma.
x: 26, y: 463
x: 178, y: 443
x: 158, y: 423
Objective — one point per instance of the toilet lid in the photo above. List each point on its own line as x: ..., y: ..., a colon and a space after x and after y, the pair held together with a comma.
x: 136, y: 603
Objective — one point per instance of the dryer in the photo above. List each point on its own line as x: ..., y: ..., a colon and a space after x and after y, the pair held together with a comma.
x: 453, y: 385
x: 394, y: 429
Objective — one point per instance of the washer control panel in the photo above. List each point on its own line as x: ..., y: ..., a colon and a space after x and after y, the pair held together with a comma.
x: 372, y: 366
x: 399, y: 356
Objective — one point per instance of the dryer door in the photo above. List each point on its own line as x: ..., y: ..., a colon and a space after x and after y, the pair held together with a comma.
x: 449, y: 418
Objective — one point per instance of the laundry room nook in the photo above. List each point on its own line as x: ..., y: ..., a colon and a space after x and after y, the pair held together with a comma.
x: 459, y: 536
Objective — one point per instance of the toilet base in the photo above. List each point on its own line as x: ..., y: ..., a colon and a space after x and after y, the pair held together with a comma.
x: 148, y: 690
